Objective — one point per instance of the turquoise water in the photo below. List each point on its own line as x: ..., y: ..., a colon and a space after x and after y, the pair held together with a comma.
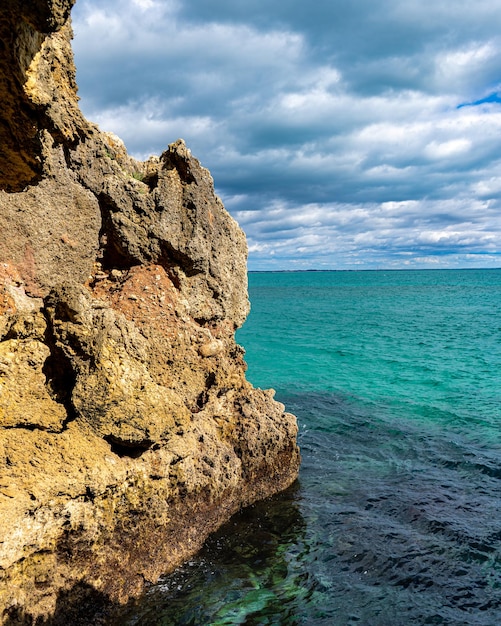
x: 395, y: 378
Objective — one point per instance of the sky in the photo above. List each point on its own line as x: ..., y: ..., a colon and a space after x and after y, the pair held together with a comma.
x: 341, y: 134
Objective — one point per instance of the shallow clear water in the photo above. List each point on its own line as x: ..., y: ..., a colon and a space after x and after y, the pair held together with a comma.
x: 395, y: 378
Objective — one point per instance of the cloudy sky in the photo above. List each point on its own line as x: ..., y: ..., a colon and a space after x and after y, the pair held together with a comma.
x: 341, y: 134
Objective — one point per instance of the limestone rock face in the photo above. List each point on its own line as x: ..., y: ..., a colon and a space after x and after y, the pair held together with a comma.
x: 128, y: 431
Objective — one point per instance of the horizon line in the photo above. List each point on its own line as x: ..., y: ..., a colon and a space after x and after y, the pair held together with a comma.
x: 381, y: 269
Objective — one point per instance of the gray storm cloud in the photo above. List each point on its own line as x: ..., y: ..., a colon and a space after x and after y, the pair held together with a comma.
x: 340, y: 135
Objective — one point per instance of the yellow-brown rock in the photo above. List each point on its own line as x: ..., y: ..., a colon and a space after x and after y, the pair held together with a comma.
x: 128, y: 431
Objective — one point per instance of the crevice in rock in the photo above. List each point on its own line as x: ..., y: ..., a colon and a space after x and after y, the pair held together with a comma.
x: 201, y: 401
x: 172, y: 160
x: 210, y: 381
x: 125, y: 448
x: 171, y: 256
x: 112, y: 251
x: 203, y: 397
x: 174, y: 278
x: 151, y: 180
x: 59, y: 374
x: 31, y: 428
x: 20, y: 162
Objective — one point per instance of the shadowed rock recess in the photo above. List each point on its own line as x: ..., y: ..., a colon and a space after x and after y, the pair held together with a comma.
x: 128, y: 432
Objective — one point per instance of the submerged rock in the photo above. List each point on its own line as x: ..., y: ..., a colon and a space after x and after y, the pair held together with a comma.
x: 128, y: 431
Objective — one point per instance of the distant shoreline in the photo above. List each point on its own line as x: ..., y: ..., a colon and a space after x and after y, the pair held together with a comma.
x: 402, y: 269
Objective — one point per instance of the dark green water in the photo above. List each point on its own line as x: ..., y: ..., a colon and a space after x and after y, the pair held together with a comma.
x: 396, y: 381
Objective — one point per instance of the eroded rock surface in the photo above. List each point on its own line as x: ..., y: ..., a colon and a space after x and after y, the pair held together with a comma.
x: 128, y: 431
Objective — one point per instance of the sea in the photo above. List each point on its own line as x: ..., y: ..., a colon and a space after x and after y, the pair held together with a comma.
x: 395, y: 379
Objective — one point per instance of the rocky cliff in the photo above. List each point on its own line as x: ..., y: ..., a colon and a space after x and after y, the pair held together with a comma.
x: 128, y: 431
